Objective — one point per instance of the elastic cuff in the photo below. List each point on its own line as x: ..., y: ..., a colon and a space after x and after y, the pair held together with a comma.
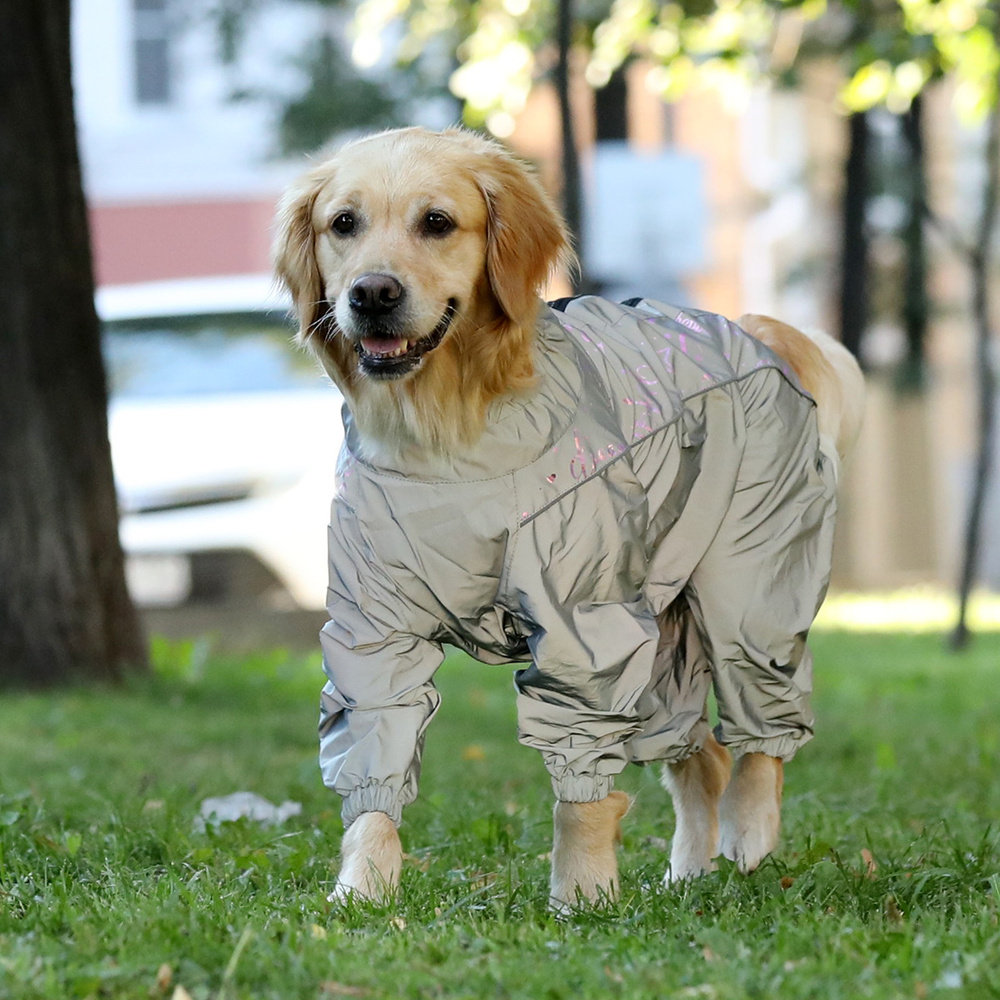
x: 582, y: 787
x: 667, y: 747
x: 371, y: 798
x: 678, y: 755
x: 782, y: 747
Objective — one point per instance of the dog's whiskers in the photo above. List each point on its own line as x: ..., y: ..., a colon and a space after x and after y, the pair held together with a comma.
x: 325, y: 323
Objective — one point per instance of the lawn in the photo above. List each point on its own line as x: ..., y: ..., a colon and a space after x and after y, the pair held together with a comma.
x: 886, y: 884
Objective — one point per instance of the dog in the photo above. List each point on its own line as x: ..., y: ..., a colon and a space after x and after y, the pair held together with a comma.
x: 635, y: 499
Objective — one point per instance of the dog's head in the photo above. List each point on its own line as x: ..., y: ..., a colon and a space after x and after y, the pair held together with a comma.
x: 417, y: 257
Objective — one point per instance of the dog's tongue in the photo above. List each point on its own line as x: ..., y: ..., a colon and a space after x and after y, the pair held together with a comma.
x: 381, y: 346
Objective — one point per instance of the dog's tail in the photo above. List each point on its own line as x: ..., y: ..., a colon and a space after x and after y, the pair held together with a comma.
x: 827, y: 371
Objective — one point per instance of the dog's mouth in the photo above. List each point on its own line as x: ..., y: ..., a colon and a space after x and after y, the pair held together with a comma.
x: 384, y: 357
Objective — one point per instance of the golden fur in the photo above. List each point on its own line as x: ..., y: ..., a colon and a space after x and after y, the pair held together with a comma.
x: 585, y: 835
x: 827, y: 371
x: 408, y: 237
x: 507, y: 242
x: 372, y: 857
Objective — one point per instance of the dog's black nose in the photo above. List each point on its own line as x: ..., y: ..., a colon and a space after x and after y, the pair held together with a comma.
x: 375, y: 293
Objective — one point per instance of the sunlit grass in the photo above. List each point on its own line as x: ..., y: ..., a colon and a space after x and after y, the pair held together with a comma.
x: 911, y: 609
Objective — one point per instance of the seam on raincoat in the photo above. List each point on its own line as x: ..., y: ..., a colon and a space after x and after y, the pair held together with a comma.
x: 513, y: 537
x: 657, y: 430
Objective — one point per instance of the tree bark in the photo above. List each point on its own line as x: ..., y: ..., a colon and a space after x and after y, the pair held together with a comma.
x: 611, y: 108
x: 572, y: 193
x: 916, y: 302
x: 980, y: 258
x: 854, y: 259
x: 64, y: 609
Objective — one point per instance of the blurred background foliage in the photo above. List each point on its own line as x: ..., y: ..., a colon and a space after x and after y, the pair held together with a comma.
x: 490, y: 54
x: 889, y: 49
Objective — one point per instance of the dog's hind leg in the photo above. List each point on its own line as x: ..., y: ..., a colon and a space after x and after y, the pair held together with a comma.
x: 750, y: 811
x: 371, y: 859
x: 696, y: 786
x: 583, y: 850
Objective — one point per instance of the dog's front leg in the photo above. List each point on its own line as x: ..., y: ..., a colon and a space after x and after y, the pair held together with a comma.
x: 696, y: 785
x: 583, y: 849
x: 371, y: 859
x: 750, y: 811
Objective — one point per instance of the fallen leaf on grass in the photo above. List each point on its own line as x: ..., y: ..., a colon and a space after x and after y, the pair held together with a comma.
x: 164, y: 977
x: 473, y: 752
x: 342, y: 989
x: 318, y: 933
x: 870, y: 866
x: 892, y: 911
x: 480, y: 880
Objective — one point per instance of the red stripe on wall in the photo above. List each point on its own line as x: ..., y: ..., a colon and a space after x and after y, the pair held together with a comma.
x: 180, y: 239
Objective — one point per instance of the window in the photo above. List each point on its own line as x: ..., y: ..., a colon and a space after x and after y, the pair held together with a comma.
x: 170, y: 358
x: 152, y: 52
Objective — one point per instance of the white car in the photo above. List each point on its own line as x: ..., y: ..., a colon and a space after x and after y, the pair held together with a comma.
x: 224, y: 438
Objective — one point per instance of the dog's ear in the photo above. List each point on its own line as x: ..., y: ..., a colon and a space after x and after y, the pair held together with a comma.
x: 526, y: 239
x: 293, y: 251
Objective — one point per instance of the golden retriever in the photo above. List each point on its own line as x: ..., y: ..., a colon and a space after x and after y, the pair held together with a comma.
x: 415, y: 261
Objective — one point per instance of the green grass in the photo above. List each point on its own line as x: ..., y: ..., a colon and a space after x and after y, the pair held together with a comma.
x: 104, y: 878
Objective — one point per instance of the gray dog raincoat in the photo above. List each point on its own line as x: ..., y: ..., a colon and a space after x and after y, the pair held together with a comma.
x: 665, y: 455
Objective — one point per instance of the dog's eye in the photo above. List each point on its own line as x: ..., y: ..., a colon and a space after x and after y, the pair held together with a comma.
x: 344, y: 224
x: 437, y: 223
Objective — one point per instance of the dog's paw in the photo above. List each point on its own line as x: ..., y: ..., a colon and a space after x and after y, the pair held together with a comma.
x: 750, y: 811
x: 584, y: 866
x: 685, y: 867
x: 748, y: 843
x: 693, y: 848
x: 696, y: 785
x: 372, y: 857
x: 369, y: 887
x: 367, y: 891
x: 344, y: 892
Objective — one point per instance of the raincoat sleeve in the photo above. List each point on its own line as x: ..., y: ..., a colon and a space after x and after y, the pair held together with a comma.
x: 594, y: 642
x: 379, y: 697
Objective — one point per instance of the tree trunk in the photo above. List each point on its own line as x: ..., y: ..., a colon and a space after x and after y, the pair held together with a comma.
x: 854, y: 261
x: 572, y: 194
x: 916, y: 303
x: 611, y: 108
x: 980, y: 260
x: 64, y: 609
